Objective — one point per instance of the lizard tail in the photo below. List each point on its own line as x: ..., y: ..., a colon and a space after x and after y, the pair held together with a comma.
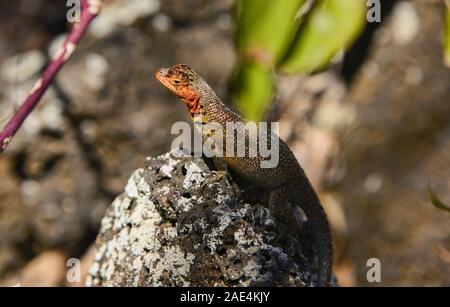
x: 308, y: 201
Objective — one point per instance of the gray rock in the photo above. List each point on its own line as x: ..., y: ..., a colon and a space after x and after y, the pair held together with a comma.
x: 21, y: 67
x: 180, y: 224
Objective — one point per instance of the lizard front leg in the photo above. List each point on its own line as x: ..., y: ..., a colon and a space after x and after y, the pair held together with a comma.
x: 220, y: 164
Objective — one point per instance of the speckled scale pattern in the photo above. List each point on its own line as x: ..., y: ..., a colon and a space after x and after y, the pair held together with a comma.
x: 287, y: 181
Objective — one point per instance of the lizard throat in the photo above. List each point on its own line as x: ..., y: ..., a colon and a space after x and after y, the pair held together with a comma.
x: 193, y: 105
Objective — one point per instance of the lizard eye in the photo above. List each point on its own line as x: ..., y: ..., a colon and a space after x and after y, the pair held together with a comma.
x: 176, y: 82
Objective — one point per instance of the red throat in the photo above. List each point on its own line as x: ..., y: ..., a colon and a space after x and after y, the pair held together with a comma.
x: 193, y: 104
x: 187, y: 95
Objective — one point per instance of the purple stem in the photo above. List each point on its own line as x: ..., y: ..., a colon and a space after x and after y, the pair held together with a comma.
x: 89, y: 10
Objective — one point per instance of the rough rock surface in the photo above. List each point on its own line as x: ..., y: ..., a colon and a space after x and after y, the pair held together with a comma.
x: 180, y: 224
x: 75, y: 152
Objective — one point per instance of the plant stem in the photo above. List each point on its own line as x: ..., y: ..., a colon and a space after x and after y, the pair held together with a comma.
x: 89, y: 10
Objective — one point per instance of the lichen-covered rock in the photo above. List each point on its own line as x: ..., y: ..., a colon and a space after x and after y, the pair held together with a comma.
x: 180, y: 224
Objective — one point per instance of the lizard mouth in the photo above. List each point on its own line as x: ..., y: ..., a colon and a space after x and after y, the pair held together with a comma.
x: 162, y: 76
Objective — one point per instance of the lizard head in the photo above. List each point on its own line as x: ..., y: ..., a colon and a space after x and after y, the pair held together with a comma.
x: 183, y: 82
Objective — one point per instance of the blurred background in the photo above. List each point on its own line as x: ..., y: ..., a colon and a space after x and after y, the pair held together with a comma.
x: 365, y: 106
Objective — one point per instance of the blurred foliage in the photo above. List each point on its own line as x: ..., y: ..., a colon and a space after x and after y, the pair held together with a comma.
x: 436, y: 201
x: 326, y: 30
x: 275, y: 36
x: 257, y: 85
x: 265, y: 28
x: 447, y: 34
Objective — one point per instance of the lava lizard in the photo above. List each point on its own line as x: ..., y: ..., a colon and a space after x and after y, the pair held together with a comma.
x: 286, y: 181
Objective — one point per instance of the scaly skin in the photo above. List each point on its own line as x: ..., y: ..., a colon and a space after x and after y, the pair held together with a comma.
x: 286, y: 182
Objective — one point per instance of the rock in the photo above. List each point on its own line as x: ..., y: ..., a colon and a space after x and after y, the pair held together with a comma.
x: 180, y: 224
x: 121, y: 13
x: 162, y: 23
x: 13, y: 220
x: 62, y: 169
x: 405, y: 24
x: 46, y: 270
x: 195, y: 10
x: 21, y: 67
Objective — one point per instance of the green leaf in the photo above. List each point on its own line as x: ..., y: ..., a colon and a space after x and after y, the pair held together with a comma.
x: 436, y: 201
x: 331, y: 26
x: 447, y: 34
x: 265, y: 28
x: 254, y: 90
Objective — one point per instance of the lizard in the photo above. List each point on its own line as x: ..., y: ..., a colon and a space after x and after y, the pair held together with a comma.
x: 286, y: 182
